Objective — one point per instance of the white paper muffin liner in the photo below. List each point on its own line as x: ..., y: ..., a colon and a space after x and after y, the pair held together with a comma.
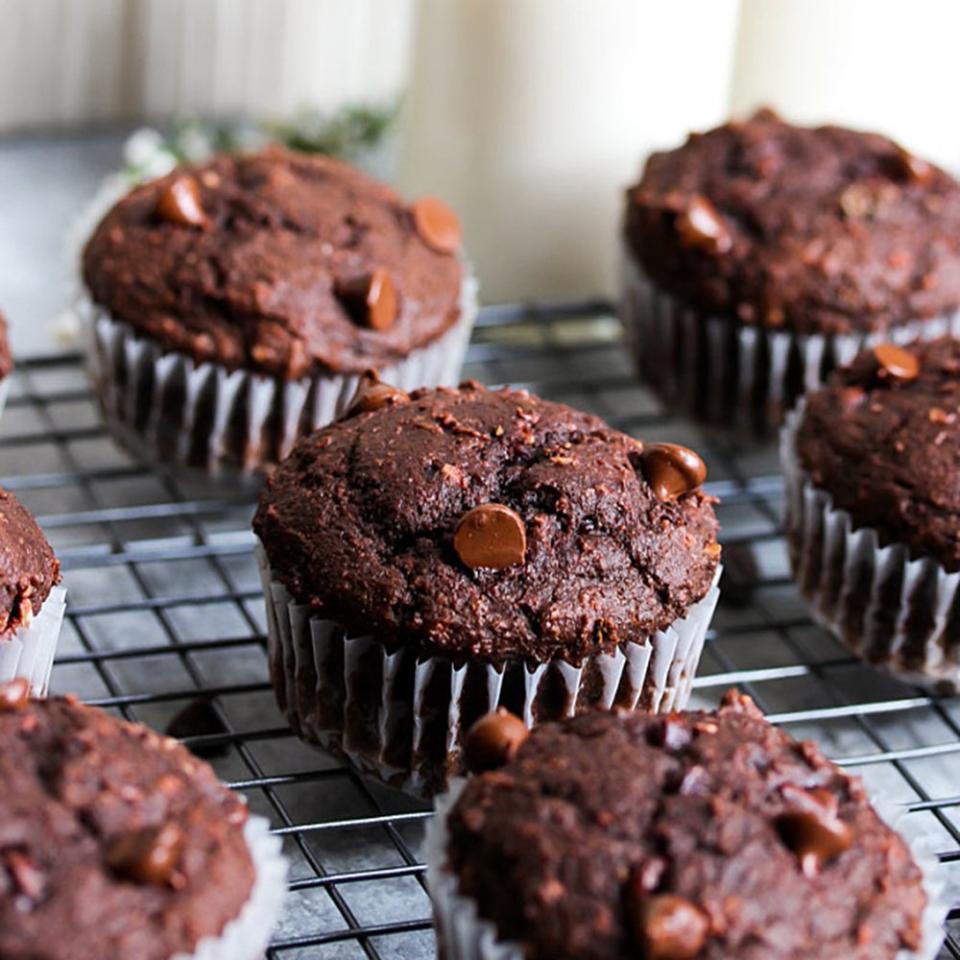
x: 741, y: 377
x: 401, y: 717
x: 166, y: 408
x: 897, y: 613
x: 462, y: 934
x: 28, y: 652
x: 246, y: 937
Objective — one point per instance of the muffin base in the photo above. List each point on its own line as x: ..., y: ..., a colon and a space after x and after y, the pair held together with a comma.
x: 166, y: 408
x: 462, y: 934
x: 401, y: 717
x: 897, y: 613
x: 246, y: 937
x: 28, y: 652
x: 737, y: 376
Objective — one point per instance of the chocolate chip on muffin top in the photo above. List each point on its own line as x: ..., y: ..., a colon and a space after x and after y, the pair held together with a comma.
x: 491, y: 523
x: 883, y: 439
x: 28, y: 567
x: 712, y: 836
x: 814, y: 230
x: 114, y: 841
x: 280, y: 263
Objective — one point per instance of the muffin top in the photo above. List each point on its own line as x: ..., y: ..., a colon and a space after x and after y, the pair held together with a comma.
x: 114, y: 841
x: 6, y: 357
x: 28, y: 567
x: 813, y: 230
x: 883, y: 439
x: 278, y: 262
x: 488, y: 523
x: 707, y: 835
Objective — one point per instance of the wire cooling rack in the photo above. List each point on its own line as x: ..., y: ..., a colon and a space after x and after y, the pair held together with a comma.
x: 165, y: 626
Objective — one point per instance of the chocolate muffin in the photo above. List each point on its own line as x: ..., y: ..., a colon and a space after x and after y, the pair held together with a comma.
x: 760, y: 255
x: 873, y: 519
x: 435, y: 554
x: 116, y: 842
x: 233, y: 305
x: 699, y: 835
x: 31, y: 602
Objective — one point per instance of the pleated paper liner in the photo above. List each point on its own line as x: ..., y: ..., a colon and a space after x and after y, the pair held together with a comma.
x: 741, y: 377
x: 28, y: 652
x: 167, y: 409
x: 401, y: 717
x: 897, y: 613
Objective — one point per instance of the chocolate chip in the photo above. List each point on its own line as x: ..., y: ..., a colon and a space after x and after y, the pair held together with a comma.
x: 701, y: 226
x: 812, y: 829
x: 372, y: 395
x: 15, y: 694
x: 491, y: 535
x: 437, y: 225
x: 199, y: 719
x: 905, y: 166
x: 672, y: 470
x: 369, y: 298
x: 669, y: 927
x: 147, y: 856
x: 493, y: 741
x: 895, y: 362
x: 27, y: 877
x: 179, y: 202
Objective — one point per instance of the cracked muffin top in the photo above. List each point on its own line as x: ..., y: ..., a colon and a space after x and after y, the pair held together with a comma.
x: 28, y: 567
x: 692, y: 835
x: 813, y: 230
x: 278, y: 262
x: 883, y: 439
x: 114, y: 841
x: 488, y: 523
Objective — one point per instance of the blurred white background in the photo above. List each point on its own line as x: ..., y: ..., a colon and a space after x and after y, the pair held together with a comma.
x: 529, y: 116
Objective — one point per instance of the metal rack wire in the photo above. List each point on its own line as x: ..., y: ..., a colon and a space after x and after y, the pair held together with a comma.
x: 165, y: 626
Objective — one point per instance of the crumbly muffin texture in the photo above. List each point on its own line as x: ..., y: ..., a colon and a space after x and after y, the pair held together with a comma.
x: 114, y: 841
x: 28, y: 567
x: 362, y: 522
x: 886, y: 447
x: 698, y: 835
x: 823, y: 230
x: 253, y: 261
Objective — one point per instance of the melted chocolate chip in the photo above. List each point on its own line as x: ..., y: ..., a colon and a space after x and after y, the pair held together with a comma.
x: 493, y: 740
x: 369, y: 298
x: 15, y: 695
x: 179, y: 202
x: 669, y: 927
x: 147, y: 856
x: 701, y: 226
x: 373, y: 395
x: 906, y: 166
x: 491, y: 535
x: 672, y: 470
x: 812, y: 829
x: 895, y: 362
x: 437, y: 225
